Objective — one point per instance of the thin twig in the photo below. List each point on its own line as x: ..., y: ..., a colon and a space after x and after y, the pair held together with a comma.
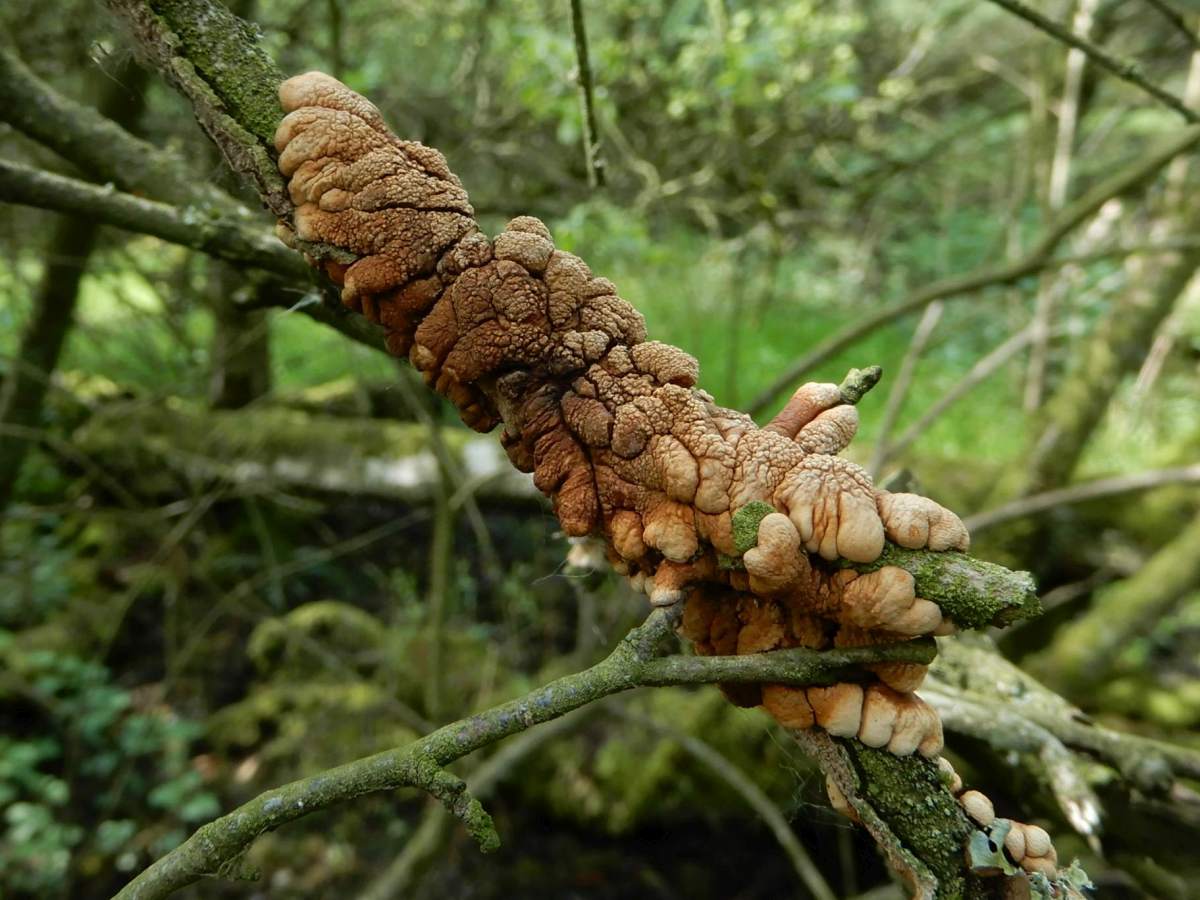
x: 1126, y: 70
x: 1070, y: 111
x: 431, y: 834
x: 980, y: 372
x: 1081, y: 493
x: 441, y: 579
x: 587, y: 103
x: 902, y: 383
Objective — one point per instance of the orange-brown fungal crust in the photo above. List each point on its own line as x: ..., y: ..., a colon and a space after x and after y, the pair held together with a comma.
x: 517, y: 333
x: 1029, y: 846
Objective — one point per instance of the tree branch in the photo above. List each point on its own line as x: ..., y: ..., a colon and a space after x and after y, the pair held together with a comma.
x: 1082, y: 493
x: 221, y: 237
x: 1177, y: 21
x: 983, y: 369
x: 967, y: 673
x: 1126, y: 70
x: 217, y: 236
x: 957, y: 287
x: 98, y: 146
x: 215, y: 846
x: 1088, y: 649
x: 102, y: 149
x: 904, y: 797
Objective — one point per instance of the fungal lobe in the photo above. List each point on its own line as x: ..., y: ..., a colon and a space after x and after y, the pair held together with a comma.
x: 613, y: 427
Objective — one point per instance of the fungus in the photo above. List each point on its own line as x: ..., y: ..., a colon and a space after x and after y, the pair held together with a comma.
x: 979, y: 808
x: 915, y: 522
x: 950, y: 777
x: 1030, y: 847
x: 690, y: 499
x: 775, y: 563
x: 887, y: 599
x: 839, y: 802
x: 838, y: 709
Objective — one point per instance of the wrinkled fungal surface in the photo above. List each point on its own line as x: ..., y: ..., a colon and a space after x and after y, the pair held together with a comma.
x: 524, y: 337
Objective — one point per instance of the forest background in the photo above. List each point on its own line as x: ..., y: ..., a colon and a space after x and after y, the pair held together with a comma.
x: 238, y: 545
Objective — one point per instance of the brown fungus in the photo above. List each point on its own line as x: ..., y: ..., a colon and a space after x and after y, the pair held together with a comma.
x: 612, y: 425
x: 515, y: 332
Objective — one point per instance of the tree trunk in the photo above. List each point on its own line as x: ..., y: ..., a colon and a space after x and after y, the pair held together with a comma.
x: 70, y: 247
x: 1117, y: 349
x: 1122, y: 341
x: 240, y: 355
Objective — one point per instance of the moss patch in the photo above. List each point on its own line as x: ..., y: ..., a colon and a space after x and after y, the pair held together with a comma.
x: 745, y: 524
x: 974, y: 593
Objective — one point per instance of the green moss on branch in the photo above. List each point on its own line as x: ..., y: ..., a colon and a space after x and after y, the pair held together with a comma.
x: 972, y: 592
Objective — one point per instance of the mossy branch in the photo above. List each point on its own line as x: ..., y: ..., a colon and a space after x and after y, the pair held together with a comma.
x: 215, y: 61
x: 972, y: 592
x: 218, y: 236
x: 634, y: 663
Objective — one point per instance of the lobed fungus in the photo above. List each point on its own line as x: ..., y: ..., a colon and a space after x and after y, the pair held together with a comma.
x: 691, y: 500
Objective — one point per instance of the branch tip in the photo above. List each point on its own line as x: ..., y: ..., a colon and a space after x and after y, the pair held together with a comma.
x: 858, y: 382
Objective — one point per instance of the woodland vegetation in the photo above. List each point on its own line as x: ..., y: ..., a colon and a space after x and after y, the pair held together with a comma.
x: 241, y: 545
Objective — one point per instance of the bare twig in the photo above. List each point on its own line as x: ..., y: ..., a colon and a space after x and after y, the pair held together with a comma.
x: 1081, y: 493
x: 1069, y: 114
x: 1177, y: 21
x: 902, y: 383
x: 431, y: 834
x: 441, y: 579
x: 1125, y: 69
x: 591, y: 136
x: 980, y: 372
x: 337, y: 56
